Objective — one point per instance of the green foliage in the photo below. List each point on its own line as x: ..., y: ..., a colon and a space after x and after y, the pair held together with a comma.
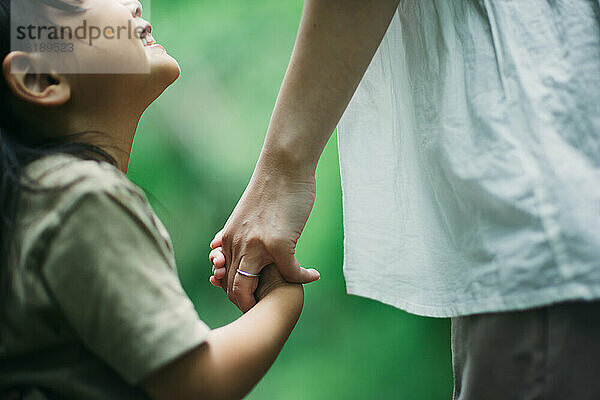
x: 194, y: 153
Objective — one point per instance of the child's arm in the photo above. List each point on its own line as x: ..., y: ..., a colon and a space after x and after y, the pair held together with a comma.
x: 236, y: 356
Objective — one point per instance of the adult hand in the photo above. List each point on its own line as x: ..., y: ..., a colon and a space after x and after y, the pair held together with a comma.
x: 336, y: 42
x: 263, y: 229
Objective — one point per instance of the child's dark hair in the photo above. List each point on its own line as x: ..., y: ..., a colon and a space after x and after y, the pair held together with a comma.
x: 19, y: 145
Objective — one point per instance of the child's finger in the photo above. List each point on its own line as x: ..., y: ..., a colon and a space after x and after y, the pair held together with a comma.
x: 215, y: 282
x: 219, y: 273
x: 217, y: 258
x: 218, y: 240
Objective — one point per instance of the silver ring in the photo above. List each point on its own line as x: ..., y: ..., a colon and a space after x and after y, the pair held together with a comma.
x: 239, y: 271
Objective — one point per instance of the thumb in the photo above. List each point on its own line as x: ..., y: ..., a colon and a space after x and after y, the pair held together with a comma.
x: 291, y: 270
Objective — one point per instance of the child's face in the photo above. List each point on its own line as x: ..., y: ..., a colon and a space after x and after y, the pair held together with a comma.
x: 124, y: 61
x: 107, y: 78
x: 119, y: 41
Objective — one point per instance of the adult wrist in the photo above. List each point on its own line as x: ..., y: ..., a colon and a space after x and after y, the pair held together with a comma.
x: 288, y: 158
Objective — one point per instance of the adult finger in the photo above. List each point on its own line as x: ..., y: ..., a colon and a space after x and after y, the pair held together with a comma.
x: 243, y: 287
x: 291, y: 270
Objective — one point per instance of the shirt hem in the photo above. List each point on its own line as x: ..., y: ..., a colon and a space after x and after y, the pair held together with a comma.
x: 538, y: 298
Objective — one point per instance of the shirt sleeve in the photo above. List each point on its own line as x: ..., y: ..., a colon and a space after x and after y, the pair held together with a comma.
x: 116, y: 288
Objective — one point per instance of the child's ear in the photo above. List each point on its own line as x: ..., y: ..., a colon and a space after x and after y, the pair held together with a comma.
x: 21, y: 72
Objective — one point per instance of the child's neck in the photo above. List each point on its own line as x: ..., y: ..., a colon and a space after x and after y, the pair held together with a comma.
x: 114, y: 133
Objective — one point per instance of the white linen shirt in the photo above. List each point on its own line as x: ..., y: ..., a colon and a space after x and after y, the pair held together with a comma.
x: 470, y: 158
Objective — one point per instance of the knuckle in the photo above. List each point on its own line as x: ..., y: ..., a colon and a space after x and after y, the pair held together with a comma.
x: 236, y: 242
x: 226, y: 238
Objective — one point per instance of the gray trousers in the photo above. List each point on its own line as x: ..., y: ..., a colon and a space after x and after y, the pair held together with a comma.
x: 548, y: 353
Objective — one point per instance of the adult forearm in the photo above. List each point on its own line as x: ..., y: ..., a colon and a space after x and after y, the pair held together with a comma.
x: 336, y: 42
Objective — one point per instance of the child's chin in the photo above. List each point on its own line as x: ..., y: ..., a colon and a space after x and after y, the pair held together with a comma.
x: 166, y: 70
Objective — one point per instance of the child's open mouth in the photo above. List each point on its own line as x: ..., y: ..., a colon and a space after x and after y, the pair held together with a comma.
x: 146, y: 36
x: 148, y: 40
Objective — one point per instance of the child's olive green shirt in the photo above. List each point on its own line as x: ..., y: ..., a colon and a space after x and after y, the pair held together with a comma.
x: 95, y: 303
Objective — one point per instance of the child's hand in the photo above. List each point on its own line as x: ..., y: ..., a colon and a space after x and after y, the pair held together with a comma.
x: 270, y: 279
x: 217, y: 258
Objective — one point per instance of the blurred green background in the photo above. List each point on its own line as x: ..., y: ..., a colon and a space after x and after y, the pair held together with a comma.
x: 194, y: 153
